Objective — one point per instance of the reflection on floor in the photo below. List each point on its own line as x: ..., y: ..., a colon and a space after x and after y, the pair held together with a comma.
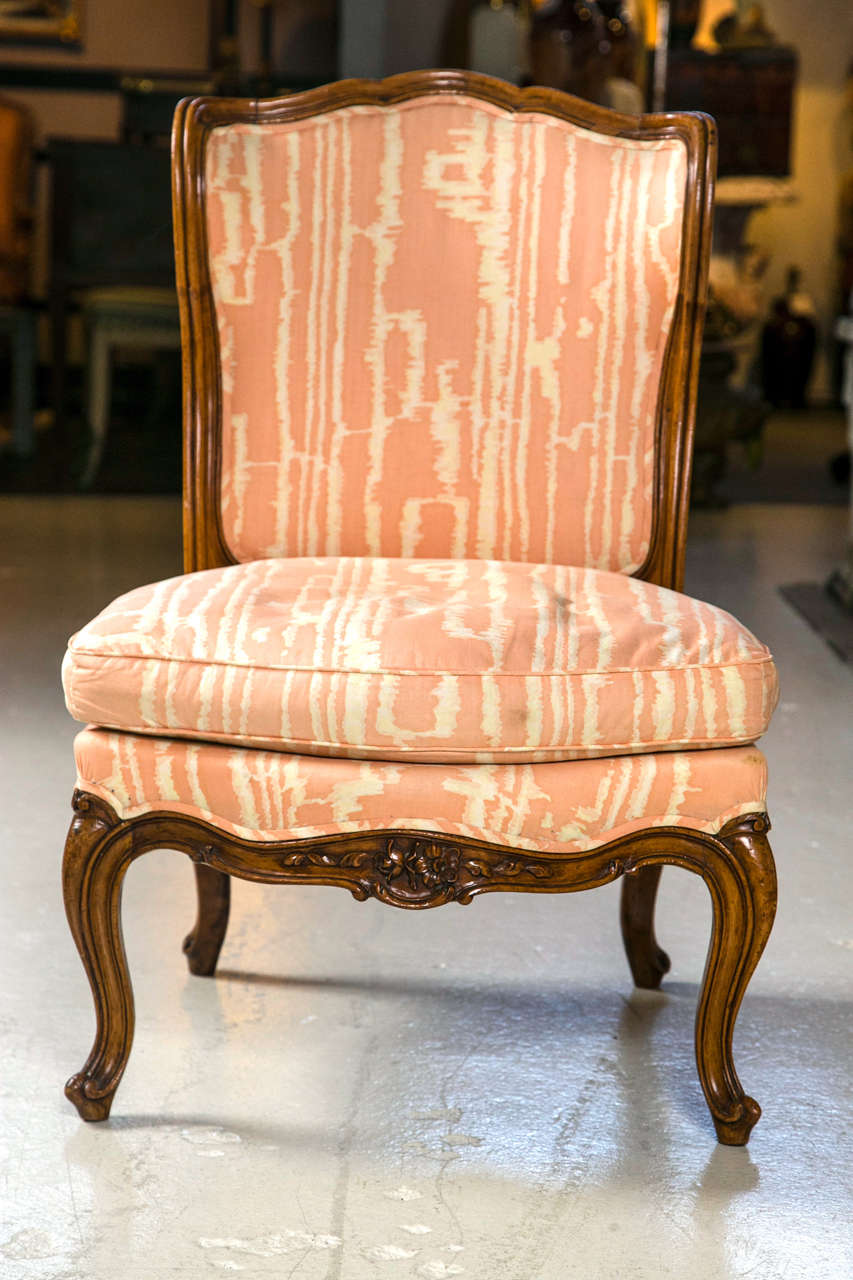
x: 794, y: 466
x: 477, y: 1093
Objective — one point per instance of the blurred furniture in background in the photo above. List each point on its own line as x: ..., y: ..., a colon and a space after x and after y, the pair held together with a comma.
x: 840, y: 584
x: 19, y: 322
x: 748, y: 86
x: 788, y: 343
x: 148, y: 105
x: 120, y: 317
x: 749, y: 91
x: 111, y: 226
x: 128, y: 315
x: 490, y: 38
x: 625, y: 86
x: 17, y: 313
x: 750, y: 94
x: 731, y: 406
x: 569, y: 49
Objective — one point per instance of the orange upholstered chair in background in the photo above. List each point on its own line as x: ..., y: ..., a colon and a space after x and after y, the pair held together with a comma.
x: 440, y: 347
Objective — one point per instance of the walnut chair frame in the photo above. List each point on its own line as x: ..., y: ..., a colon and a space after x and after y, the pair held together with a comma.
x: 407, y: 869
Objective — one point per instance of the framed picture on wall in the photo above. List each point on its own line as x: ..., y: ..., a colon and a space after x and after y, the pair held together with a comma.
x: 41, y: 21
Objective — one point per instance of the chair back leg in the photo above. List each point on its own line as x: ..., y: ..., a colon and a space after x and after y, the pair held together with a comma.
x: 203, y: 944
x: 647, y: 960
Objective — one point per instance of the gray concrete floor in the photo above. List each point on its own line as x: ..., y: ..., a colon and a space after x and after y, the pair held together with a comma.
x: 363, y: 1092
x: 794, y: 463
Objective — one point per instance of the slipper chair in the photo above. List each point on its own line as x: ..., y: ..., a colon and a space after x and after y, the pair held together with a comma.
x: 440, y: 346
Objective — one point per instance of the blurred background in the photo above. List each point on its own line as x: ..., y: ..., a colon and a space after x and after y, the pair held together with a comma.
x: 89, y: 364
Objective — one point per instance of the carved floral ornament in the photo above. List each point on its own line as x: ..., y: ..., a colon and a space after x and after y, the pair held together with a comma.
x: 417, y: 870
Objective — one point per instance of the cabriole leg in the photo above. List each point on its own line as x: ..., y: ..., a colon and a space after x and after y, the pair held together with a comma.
x: 98, y: 852
x: 203, y: 944
x: 743, y: 891
x: 647, y: 960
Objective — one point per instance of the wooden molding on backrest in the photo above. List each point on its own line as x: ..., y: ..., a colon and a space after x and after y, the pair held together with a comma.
x: 204, y: 545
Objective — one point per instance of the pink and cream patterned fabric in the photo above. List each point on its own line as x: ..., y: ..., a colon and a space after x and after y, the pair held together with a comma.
x: 436, y: 340
x: 551, y: 808
x: 422, y: 660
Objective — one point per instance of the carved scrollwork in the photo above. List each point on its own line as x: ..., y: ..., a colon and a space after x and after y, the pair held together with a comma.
x: 417, y: 869
x: 746, y: 825
x: 413, y: 871
x: 513, y: 868
x: 323, y: 858
x: 91, y: 814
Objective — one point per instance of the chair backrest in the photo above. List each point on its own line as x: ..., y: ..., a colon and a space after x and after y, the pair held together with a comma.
x: 439, y: 316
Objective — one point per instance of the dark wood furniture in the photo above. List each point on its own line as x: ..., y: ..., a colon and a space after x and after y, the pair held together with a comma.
x: 111, y: 224
x: 17, y: 312
x: 750, y: 94
x: 422, y: 869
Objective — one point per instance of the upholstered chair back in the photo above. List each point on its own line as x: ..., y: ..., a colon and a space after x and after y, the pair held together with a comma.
x: 441, y: 329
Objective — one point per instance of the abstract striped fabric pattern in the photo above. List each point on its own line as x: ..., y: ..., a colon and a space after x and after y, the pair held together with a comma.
x: 436, y: 340
x: 552, y: 808
x: 422, y: 660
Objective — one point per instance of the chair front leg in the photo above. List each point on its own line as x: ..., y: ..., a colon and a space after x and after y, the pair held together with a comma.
x: 203, y: 944
x: 98, y: 851
x: 743, y: 892
x: 637, y: 914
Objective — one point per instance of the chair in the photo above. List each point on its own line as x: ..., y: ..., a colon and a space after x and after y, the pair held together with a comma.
x: 17, y: 314
x: 441, y: 341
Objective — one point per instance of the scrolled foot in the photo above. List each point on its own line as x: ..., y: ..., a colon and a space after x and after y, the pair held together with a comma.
x: 195, y: 963
x: 648, y: 970
x: 200, y: 961
x: 91, y: 1105
x: 735, y: 1132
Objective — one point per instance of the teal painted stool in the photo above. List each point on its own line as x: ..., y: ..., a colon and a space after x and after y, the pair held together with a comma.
x: 127, y: 317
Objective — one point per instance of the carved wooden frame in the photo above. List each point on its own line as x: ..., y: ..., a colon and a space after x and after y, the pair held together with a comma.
x: 416, y: 870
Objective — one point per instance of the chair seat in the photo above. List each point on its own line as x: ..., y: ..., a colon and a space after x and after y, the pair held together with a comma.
x: 422, y: 660
x: 566, y: 807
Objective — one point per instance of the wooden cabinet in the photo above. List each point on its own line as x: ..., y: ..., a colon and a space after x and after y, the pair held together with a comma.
x: 749, y: 92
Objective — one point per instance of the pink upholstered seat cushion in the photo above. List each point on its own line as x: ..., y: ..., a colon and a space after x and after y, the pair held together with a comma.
x: 426, y: 660
x: 567, y: 807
